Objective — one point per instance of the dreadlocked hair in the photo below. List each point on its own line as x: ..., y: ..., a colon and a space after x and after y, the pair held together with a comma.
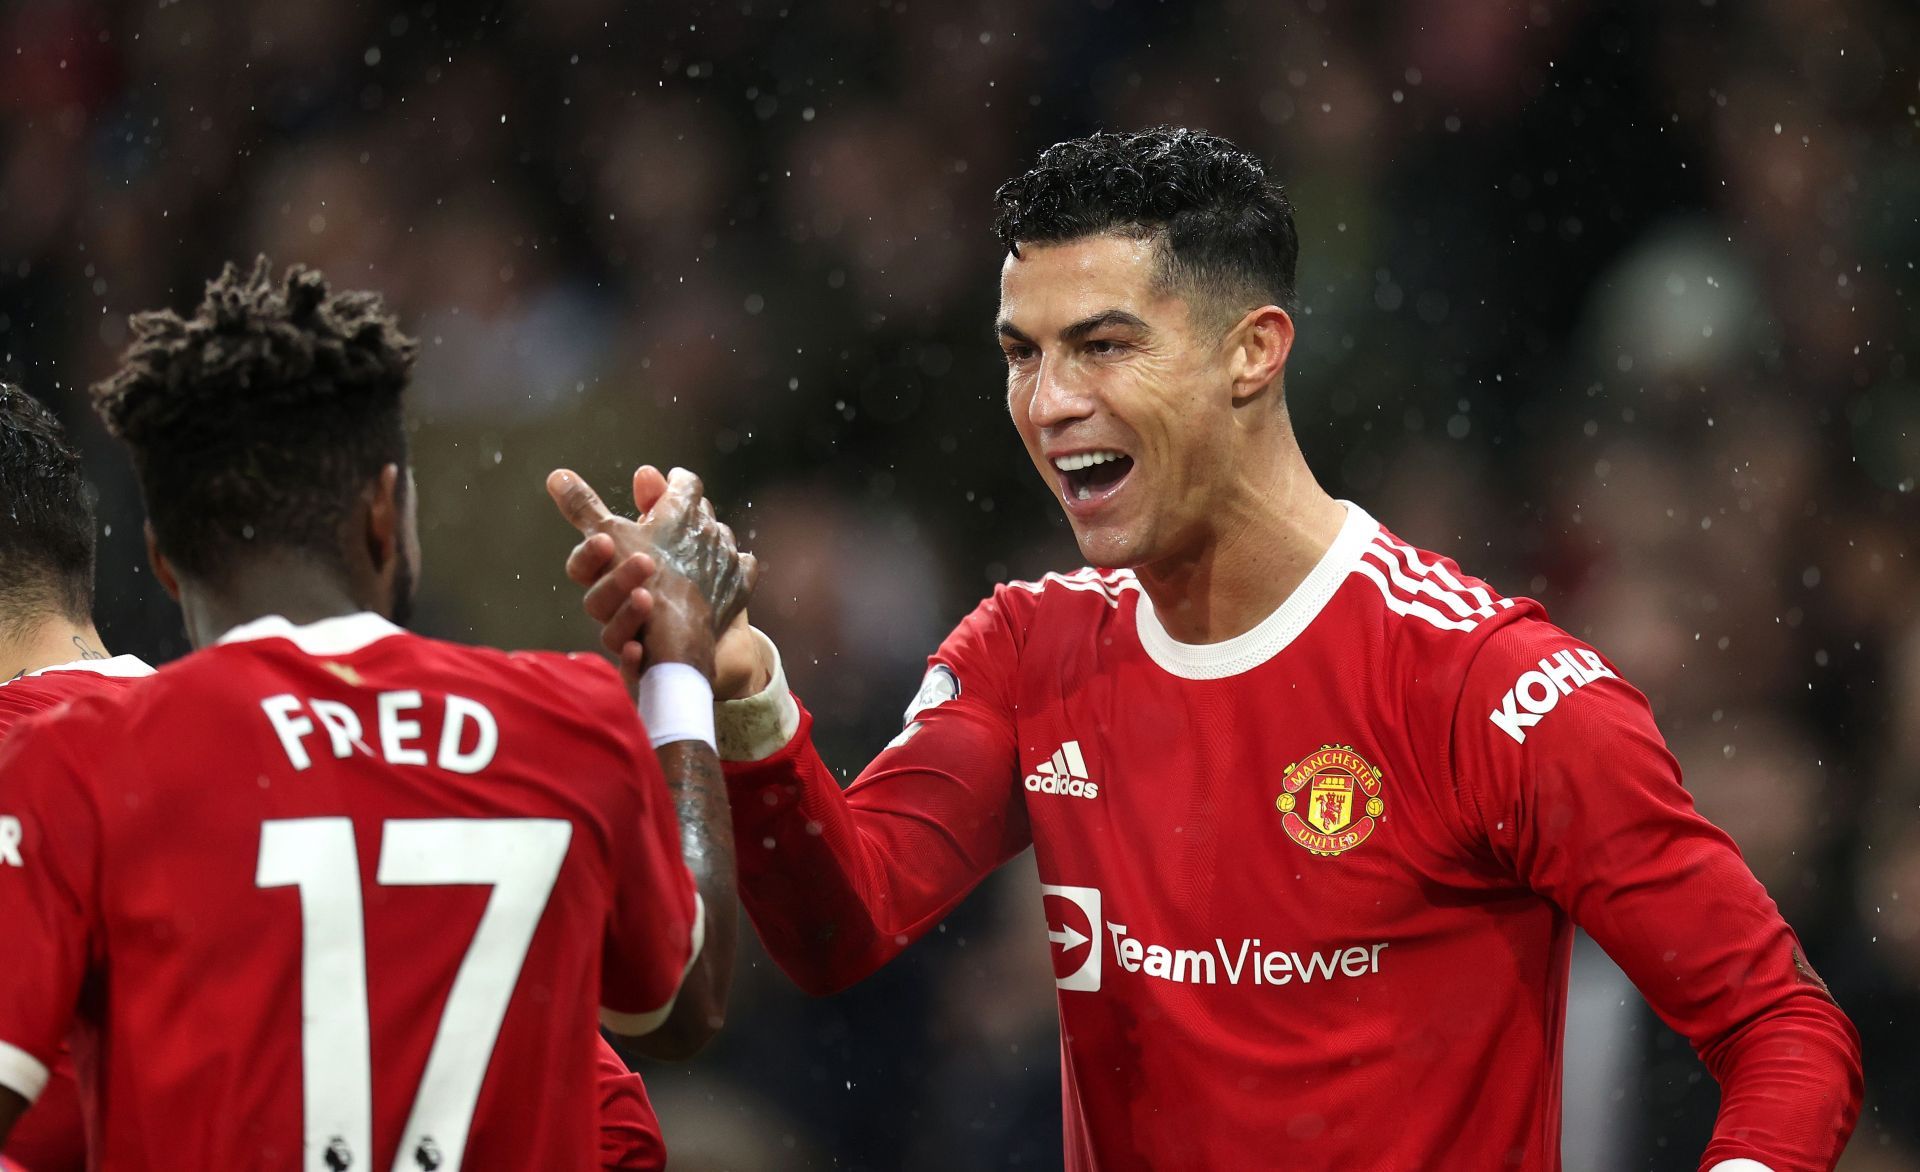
x: 46, y: 519
x: 256, y: 422
x: 1225, y: 229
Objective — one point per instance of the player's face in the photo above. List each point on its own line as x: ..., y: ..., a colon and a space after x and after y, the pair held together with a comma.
x: 1124, y: 404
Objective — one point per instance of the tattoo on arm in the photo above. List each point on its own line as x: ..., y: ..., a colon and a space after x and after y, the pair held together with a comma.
x: 706, y: 823
x: 699, y: 791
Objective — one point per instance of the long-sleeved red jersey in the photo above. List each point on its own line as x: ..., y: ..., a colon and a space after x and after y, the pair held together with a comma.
x: 1311, y: 890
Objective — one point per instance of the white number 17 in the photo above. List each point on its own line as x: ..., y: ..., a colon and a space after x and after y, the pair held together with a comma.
x: 519, y: 858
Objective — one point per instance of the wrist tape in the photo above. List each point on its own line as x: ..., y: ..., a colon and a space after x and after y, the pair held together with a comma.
x: 676, y: 704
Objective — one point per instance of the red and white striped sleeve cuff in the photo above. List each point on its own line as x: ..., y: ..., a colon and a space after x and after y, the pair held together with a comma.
x: 21, y: 1072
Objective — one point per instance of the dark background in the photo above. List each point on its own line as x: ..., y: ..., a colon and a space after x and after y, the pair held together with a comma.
x: 1612, y: 303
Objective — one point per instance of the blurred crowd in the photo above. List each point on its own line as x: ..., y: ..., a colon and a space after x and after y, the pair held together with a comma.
x: 1614, y: 303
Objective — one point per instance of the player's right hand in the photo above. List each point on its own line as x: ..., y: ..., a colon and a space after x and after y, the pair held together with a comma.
x: 740, y: 666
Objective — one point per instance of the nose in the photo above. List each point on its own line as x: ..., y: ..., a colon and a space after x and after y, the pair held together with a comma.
x: 1060, y: 394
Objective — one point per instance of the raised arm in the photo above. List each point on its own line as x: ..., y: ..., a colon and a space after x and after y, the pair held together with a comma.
x: 1585, y: 805
x: 694, y: 583
x: 839, y: 882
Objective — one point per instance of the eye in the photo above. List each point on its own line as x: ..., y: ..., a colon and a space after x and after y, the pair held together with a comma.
x: 1016, y: 353
x: 1105, y: 347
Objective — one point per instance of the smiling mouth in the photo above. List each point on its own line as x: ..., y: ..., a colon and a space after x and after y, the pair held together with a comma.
x: 1090, y: 476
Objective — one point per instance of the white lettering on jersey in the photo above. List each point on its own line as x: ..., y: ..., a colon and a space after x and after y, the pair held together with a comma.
x: 395, y: 732
x: 1194, y: 966
x: 460, y: 713
x: 468, y: 733
x: 282, y: 712
x: 1065, y: 773
x: 10, y: 836
x: 1537, y: 692
x: 1246, y: 961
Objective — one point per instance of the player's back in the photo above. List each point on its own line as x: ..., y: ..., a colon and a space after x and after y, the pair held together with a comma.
x: 353, y: 886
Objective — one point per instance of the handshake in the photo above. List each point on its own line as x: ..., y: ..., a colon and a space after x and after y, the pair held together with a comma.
x: 669, y: 587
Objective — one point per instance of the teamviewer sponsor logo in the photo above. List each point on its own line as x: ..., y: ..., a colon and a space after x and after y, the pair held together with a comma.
x: 1073, y: 928
x: 1081, y: 936
x: 1538, y: 692
x: 1065, y: 773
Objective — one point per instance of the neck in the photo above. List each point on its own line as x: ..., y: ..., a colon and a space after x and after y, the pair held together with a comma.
x: 296, y: 587
x: 1263, y: 538
x: 48, y: 643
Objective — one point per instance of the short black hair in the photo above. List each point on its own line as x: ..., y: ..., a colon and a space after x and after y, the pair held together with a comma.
x: 1225, y: 227
x: 47, y: 523
x: 256, y: 422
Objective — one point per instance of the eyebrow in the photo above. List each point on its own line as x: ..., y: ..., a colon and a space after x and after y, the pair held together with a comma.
x: 1079, y: 330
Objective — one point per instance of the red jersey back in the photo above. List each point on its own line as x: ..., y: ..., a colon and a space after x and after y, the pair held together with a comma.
x: 51, y: 1137
x: 340, y: 897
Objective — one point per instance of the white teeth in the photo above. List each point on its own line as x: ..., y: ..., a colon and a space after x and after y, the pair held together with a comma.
x: 1084, y: 460
x: 1085, y: 492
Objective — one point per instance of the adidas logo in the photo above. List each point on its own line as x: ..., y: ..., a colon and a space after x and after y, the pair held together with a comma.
x: 1066, y: 774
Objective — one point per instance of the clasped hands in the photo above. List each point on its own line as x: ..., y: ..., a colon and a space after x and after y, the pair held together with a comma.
x: 669, y: 586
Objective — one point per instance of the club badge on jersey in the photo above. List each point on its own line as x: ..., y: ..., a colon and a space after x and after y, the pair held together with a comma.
x: 1331, y: 800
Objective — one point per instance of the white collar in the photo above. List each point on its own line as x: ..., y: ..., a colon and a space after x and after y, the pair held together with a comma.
x: 1244, y: 652
x: 128, y: 666
x: 342, y: 635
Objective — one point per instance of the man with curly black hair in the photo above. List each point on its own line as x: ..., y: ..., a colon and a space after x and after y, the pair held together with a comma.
x: 1315, y: 812
x: 319, y: 839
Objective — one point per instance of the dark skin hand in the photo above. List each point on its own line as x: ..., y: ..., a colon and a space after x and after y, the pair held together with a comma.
x: 617, y: 599
x: 677, y: 531
x: 693, y: 577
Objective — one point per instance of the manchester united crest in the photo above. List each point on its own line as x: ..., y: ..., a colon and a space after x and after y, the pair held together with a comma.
x: 1331, y: 801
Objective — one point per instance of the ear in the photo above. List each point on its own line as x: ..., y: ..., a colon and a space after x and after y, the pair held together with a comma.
x: 1257, y: 351
x: 162, y: 569
x: 384, y: 518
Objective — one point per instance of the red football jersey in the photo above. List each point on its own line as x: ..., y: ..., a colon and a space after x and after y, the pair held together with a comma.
x: 1311, y: 890
x: 337, y: 896
x: 51, y: 1137
x: 51, y: 687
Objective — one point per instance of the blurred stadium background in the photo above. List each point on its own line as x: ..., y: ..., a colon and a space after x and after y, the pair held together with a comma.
x: 1615, y: 303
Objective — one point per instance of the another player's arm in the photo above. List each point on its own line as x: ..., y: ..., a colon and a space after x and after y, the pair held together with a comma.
x: 1585, y: 805
x: 838, y: 882
x: 694, y: 582
x: 699, y: 790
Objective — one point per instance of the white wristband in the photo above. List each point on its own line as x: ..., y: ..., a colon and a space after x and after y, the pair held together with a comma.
x: 676, y: 704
